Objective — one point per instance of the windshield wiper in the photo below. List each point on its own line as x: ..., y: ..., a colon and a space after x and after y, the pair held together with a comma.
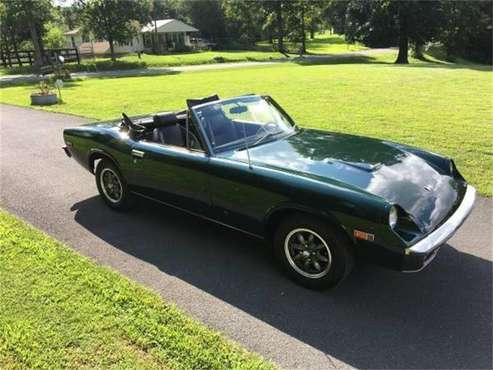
x: 267, y: 135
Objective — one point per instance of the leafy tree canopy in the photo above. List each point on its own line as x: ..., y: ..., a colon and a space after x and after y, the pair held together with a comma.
x: 115, y: 20
x: 53, y: 38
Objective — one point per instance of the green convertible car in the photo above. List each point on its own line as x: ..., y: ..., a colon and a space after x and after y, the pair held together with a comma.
x: 321, y: 198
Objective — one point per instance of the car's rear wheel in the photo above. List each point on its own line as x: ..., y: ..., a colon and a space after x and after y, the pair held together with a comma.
x: 112, y: 186
x: 313, y: 253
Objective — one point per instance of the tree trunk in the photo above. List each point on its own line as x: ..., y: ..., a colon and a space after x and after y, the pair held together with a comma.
x: 418, y: 50
x: 2, y: 55
x: 38, y: 52
x: 302, y: 30
x: 112, y: 48
x: 155, y: 39
x: 403, y: 36
x: 312, y: 29
x: 280, y: 29
x: 3, y: 51
x: 16, y: 51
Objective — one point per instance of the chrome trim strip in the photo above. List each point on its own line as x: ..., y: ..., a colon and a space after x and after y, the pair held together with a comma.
x: 427, y: 262
x: 448, y: 229
x: 138, y: 153
x: 197, y: 215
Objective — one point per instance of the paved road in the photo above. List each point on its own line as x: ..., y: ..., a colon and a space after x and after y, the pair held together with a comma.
x: 363, y: 54
x: 439, y: 318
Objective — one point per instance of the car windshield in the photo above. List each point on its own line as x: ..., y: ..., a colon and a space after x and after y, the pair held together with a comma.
x: 240, y: 122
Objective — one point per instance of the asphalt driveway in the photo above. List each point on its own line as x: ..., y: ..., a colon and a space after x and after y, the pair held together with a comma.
x: 439, y: 318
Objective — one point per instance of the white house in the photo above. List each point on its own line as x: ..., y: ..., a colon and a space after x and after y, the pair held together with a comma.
x: 170, y: 34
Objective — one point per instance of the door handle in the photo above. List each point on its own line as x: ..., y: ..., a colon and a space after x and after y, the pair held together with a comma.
x: 137, y: 153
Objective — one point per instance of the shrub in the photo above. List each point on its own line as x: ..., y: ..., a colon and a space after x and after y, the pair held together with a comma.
x: 219, y: 59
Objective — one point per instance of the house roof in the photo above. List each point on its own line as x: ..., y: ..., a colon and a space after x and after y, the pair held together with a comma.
x: 168, y: 25
x: 73, y: 32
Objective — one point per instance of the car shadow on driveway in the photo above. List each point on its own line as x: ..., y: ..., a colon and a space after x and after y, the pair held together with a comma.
x: 438, y: 318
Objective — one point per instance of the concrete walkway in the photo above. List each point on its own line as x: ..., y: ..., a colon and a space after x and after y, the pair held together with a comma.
x: 14, y: 79
x: 438, y: 318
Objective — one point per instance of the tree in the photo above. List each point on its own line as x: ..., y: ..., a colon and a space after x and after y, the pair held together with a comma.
x: 382, y: 22
x: 243, y: 21
x: 16, y: 15
x: 296, y: 20
x: 419, y: 22
x: 467, y: 30
x: 335, y: 15
x: 53, y: 38
x: 115, y: 20
x: 372, y: 23
x: 302, y: 14
x: 275, y: 11
x: 316, y: 8
x: 208, y: 17
x: 71, y: 16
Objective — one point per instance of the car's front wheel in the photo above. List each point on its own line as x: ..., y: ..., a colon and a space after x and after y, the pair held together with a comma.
x: 313, y: 253
x: 112, y: 185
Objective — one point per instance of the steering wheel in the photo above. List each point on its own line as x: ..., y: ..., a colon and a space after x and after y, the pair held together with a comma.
x: 269, y: 128
x: 134, y: 126
x: 128, y: 122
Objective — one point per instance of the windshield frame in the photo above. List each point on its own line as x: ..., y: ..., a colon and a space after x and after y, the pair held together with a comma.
x: 245, y: 145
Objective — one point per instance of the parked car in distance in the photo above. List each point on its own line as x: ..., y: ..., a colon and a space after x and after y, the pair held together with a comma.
x: 321, y: 198
x: 201, y: 43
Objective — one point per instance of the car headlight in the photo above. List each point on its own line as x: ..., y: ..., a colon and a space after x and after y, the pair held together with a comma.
x: 393, y: 217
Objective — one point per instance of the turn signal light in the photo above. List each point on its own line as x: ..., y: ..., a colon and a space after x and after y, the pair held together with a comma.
x: 364, y: 236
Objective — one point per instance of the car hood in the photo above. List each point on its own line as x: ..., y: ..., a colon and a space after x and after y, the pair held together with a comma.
x: 381, y: 168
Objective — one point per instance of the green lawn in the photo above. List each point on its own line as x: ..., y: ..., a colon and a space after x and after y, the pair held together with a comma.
x: 323, y: 43
x: 204, y: 57
x: 169, y: 60
x: 60, y: 310
x: 445, y: 108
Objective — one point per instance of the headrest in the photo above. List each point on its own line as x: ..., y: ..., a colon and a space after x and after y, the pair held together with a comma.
x: 193, y: 102
x: 164, y: 119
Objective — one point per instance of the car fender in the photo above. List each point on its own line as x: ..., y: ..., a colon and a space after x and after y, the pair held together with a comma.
x: 275, y: 215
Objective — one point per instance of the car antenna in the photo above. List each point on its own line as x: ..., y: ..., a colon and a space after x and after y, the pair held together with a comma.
x: 246, y: 145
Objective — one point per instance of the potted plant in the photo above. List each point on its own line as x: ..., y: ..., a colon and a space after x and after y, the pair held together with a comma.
x: 45, y: 95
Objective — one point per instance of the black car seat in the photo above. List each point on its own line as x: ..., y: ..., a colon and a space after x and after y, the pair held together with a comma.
x: 220, y: 127
x: 167, y: 129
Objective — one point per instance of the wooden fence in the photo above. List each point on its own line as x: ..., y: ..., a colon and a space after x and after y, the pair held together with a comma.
x: 26, y: 57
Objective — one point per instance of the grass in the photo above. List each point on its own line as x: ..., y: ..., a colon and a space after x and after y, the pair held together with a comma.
x: 60, y: 310
x: 323, y: 43
x: 204, y: 57
x: 169, y: 60
x: 445, y: 108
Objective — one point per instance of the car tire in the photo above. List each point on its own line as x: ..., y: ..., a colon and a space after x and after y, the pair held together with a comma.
x: 112, y: 186
x: 312, y: 252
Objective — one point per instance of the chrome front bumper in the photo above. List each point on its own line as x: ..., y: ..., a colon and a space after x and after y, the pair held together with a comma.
x: 425, y: 250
